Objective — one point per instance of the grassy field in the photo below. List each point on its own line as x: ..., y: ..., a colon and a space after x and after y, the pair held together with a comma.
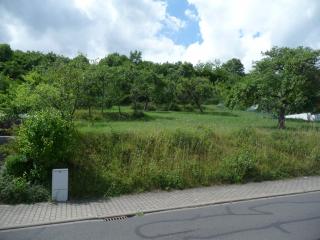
x: 215, y: 118
x: 170, y: 150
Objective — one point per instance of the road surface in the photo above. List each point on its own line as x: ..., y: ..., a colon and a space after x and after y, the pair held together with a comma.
x: 290, y: 217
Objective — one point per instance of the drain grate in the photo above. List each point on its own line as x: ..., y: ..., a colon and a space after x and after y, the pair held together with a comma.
x: 118, y: 218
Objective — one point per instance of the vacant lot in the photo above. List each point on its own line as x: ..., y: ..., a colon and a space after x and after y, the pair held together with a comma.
x: 165, y: 150
x: 216, y: 118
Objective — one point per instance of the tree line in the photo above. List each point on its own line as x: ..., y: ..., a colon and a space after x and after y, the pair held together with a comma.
x: 285, y: 80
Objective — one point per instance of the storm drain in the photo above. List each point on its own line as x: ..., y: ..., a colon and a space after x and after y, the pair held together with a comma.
x: 118, y: 218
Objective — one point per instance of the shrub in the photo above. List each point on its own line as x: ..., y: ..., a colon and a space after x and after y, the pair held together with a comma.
x: 46, y: 139
x: 17, y: 165
x: 174, y: 107
x: 18, y: 190
x: 169, y: 107
x: 188, y: 108
x: 95, y: 115
x: 239, y: 168
x: 7, y: 122
x: 137, y: 106
x: 152, y: 107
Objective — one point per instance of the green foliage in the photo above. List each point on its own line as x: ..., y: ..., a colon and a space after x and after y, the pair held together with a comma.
x: 52, y: 81
x: 179, y: 150
x: 234, y: 67
x: 17, y: 165
x: 5, y: 52
x: 46, y: 140
x: 121, y: 150
x: 196, y: 89
x: 242, y: 94
x: 57, y: 88
x: 285, y: 81
x: 18, y: 190
x: 136, y: 57
x: 5, y: 83
x: 239, y: 168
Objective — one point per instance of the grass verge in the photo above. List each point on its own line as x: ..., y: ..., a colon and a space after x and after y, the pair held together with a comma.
x: 115, y: 163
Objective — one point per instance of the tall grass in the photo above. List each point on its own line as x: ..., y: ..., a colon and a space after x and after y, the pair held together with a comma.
x: 116, y: 162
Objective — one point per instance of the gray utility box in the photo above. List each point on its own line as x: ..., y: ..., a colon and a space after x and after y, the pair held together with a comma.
x: 60, y: 185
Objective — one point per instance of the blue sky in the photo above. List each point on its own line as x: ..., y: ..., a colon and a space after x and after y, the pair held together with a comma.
x: 191, y: 32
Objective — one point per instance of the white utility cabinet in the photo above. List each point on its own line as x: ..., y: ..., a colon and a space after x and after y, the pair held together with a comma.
x: 60, y: 184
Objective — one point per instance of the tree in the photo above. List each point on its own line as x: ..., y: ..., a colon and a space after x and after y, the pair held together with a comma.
x: 285, y: 81
x: 91, y: 87
x: 118, y: 81
x: 228, y: 75
x: 5, y: 52
x: 166, y: 85
x: 36, y: 94
x: 69, y: 79
x: 208, y: 70
x: 234, y: 66
x: 197, y: 89
x: 114, y: 60
x: 56, y: 87
x: 141, y: 87
x: 136, y: 57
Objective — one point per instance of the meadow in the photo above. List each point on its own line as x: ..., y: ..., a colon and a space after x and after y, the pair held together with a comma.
x: 175, y: 150
x: 218, y: 119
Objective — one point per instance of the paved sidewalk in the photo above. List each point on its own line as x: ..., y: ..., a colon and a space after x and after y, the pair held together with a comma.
x: 22, y: 215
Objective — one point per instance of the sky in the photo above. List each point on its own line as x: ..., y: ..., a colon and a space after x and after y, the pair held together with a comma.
x: 164, y: 30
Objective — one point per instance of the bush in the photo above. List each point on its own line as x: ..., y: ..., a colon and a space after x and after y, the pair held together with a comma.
x: 167, y: 181
x: 46, y: 139
x: 151, y: 107
x: 95, y: 115
x: 169, y: 107
x: 17, y: 165
x: 19, y: 190
x: 188, y: 108
x: 7, y: 122
x: 137, y: 106
x: 240, y: 168
x: 138, y: 115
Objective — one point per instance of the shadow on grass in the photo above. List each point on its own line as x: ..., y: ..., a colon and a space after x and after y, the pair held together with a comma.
x: 293, y: 129
x: 125, y: 117
x: 222, y: 114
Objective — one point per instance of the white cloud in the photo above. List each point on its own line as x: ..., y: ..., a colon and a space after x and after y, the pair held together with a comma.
x: 228, y: 28
x: 262, y: 24
x: 174, y: 23
x: 191, y: 15
x: 93, y: 27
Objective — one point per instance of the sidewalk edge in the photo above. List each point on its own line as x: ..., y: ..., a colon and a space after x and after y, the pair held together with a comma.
x: 154, y: 210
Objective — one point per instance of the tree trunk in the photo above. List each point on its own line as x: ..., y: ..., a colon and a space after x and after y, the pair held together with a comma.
x: 74, y: 107
x: 89, y: 111
x: 119, y: 109
x: 102, y: 107
x: 199, y: 106
x: 281, y: 119
x: 146, y: 105
x: 135, y: 107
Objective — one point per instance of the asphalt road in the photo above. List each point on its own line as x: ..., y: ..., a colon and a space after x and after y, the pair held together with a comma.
x: 290, y: 217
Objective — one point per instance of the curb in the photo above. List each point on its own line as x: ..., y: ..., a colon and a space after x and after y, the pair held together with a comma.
x: 130, y: 214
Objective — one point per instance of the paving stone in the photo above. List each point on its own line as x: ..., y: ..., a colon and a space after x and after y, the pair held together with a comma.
x: 12, y: 216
